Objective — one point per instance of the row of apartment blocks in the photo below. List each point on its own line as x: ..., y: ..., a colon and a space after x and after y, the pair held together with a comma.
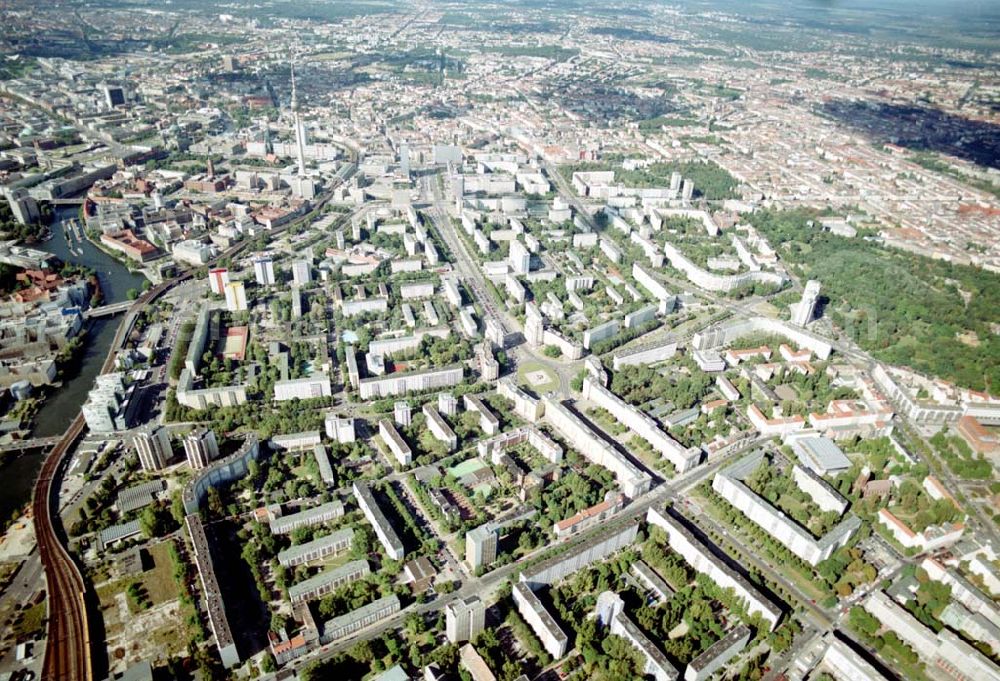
x: 232, y: 467
x: 610, y: 613
x: 928, y: 412
x: 944, y: 651
x: 728, y: 483
x: 711, y: 281
x: 704, y: 559
x: 683, y: 459
x: 632, y: 480
x: 493, y: 447
x: 611, y: 540
x: 723, y: 334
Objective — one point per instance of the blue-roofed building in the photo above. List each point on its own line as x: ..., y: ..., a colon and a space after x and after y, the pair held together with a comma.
x: 393, y: 674
x: 819, y: 454
x: 116, y: 533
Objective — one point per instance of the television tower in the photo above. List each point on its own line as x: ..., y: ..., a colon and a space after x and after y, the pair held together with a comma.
x: 300, y: 131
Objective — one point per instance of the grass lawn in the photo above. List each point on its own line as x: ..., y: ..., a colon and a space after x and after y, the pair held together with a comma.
x: 333, y: 561
x: 159, y: 581
x: 7, y: 571
x: 30, y: 624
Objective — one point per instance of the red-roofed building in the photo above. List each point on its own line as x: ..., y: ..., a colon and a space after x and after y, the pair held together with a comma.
x: 935, y: 490
x: 776, y: 426
x: 589, y: 517
x: 734, y: 357
x: 790, y: 355
x: 128, y: 243
x: 288, y: 649
x: 710, y: 407
x: 981, y: 439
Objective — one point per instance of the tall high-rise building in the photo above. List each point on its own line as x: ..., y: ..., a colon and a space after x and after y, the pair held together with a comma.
x: 402, y: 414
x: 519, y: 257
x: 114, y: 95
x: 201, y: 448
x: 464, y: 619
x: 458, y: 191
x: 481, y: 546
x: 806, y: 307
x: 218, y: 279
x: 489, y: 368
x: 236, y: 296
x: 609, y: 605
x: 263, y: 269
x: 534, y: 326
x: 23, y: 206
x: 404, y: 159
x: 687, y: 190
x: 447, y: 404
x: 153, y: 448
x: 301, y: 272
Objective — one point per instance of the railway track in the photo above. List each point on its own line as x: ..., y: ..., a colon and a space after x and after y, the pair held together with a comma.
x: 68, y: 653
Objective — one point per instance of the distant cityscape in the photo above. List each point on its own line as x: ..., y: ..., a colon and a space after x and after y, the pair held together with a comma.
x: 499, y: 342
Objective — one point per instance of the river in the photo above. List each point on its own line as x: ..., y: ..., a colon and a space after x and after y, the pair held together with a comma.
x: 63, y: 404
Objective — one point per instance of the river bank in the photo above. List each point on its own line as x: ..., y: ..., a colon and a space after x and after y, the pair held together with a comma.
x: 61, y: 405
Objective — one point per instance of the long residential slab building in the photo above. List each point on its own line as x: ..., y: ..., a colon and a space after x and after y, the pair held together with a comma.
x: 409, y: 381
x: 356, y: 620
x: 703, y: 559
x: 729, y: 484
x: 307, y: 518
x: 553, y: 638
x: 597, y: 547
x: 328, y: 581
x: 683, y: 459
x: 944, y: 651
x: 383, y: 530
x: 214, y: 605
x: 330, y: 545
x: 632, y: 480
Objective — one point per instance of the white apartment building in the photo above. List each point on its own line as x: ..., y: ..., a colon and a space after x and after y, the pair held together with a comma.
x: 553, y: 638
x: 465, y: 619
x: 201, y: 448
x: 632, y: 480
x: 236, y: 297
x: 412, y: 381
x: 704, y: 560
x: 339, y: 429
x: 153, y: 448
x: 395, y: 443
x: 383, y: 530
x: 439, y: 428
x: 729, y: 484
x: 310, y: 387
x: 263, y: 269
x: 683, y: 459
